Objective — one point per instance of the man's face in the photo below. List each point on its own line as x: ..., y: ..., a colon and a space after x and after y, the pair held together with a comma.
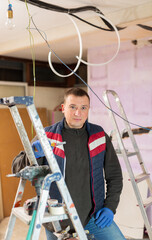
x: 76, y: 110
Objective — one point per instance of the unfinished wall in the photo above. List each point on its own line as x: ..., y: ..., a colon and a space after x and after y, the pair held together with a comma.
x: 49, y: 98
x: 130, y: 75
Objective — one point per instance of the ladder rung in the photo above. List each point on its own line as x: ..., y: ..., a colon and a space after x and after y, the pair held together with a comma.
x: 19, y: 213
x: 129, y: 154
x: 53, y: 218
x: 141, y: 177
x: 147, y: 202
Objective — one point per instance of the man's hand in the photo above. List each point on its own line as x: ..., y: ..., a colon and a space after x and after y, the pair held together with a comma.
x: 104, y: 217
x: 37, y: 149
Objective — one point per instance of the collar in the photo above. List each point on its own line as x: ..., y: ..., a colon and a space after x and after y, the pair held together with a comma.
x: 77, y: 131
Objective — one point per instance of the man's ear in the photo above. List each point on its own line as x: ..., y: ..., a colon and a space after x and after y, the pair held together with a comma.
x: 62, y: 106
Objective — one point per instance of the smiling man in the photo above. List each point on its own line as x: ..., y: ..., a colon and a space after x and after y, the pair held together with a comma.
x: 89, y: 165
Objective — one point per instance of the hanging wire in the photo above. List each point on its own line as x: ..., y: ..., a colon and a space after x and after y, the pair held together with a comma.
x: 32, y: 45
x: 70, y: 11
x: 116, y: 53
x: 45, y: 39
x: 80, y: 53
x: 149, y: 28
x: 33, y: 58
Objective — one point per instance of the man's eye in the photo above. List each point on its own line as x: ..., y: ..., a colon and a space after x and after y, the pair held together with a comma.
x: 73, y: 107
x: 83, y: 108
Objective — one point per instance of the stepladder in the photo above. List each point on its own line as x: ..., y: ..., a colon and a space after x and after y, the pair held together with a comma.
x: 111, y: 96
x: 45, y: 177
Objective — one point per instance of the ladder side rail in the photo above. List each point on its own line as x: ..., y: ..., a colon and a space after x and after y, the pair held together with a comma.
x: 16, y: 203
x: 40, y: 215
x: 42, y: 202
x: 10, y: 227
x: 131, y: 135
x: 55, y: 168
x: 23, y: 135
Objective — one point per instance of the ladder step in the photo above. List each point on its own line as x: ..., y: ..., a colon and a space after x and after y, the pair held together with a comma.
x: 147, y: 202
x: 19, y: 213
x: 129, y: 154
x: 141, y: 177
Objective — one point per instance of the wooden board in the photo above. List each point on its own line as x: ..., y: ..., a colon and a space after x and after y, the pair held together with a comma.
x: 10, y: 146
x: 1, y: 202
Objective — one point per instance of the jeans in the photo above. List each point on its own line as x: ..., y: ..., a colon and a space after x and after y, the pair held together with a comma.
x: 50, y: 235
x: 107, y: 233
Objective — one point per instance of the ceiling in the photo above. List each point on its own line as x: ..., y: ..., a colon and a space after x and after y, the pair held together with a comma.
x: 60, y: 32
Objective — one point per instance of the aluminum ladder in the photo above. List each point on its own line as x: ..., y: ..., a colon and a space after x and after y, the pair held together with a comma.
x: 17, y: 212
x: 144, y: 176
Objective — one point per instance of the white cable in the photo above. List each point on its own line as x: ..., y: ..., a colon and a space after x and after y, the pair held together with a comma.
x: 80, y: 54
x: 118, y: 47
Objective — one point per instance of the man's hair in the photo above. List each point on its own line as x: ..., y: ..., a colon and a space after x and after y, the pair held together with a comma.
x: 78, y: 92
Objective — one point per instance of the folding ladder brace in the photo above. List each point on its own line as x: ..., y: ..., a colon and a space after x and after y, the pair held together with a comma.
x: 18, y: 212
x: 123, y: 152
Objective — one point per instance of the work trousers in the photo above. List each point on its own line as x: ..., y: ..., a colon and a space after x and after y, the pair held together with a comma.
x: 108, y: 233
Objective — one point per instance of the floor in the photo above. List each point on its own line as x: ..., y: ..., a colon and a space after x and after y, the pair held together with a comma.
x: 20, y: 230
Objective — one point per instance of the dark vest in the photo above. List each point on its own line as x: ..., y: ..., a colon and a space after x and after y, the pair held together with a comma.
x: 96, y: 146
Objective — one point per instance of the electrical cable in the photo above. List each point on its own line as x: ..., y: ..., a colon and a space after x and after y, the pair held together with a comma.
x: 31, y: 41
x: 116, y: 53
x: 33, y: 57
x: 91, y: 24
x: 85, y: 82
x: 145, y: 27
x: 70, y: 11
x: 80, y: 54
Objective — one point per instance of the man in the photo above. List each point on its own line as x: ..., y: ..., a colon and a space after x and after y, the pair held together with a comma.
x: 87, y: 159
x: 89, y: 163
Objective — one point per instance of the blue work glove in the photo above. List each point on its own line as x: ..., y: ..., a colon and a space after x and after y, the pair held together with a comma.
x: 104, y: 217
x: 37, y: 149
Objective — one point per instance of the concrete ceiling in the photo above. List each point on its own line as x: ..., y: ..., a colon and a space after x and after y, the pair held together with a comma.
x: 61, y: 33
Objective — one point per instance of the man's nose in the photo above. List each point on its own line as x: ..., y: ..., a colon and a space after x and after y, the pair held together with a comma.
x: 77, y: 112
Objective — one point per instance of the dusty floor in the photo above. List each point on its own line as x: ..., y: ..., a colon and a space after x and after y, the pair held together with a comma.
x: 20, y: 230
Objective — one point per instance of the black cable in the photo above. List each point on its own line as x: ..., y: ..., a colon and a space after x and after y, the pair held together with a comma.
x: 145, y: 27
x: 93, y: 25
x: 70, y: 11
